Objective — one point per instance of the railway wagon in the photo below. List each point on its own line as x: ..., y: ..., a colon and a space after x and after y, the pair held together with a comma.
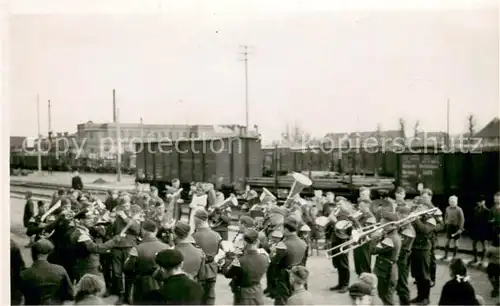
x: 277, y: 159
x: 226, y: 162
x: 466, y: 175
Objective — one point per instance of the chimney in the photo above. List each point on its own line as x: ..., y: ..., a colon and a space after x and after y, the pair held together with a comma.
x: 114, y: 107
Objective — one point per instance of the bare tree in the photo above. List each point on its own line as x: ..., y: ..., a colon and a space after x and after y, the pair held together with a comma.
x: 415, y: 128
x: 471, y: 127
x: 296, y: 135
x: 402, y: 129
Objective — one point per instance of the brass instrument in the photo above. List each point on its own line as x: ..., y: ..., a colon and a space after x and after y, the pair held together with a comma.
x: 362, y: 236
x: 230, y: 201
x: 300, y: 182
x: 266, y: 194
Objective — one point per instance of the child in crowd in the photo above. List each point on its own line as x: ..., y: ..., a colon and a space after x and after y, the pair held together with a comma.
x: 363, y: 291
x: 493, y: 268
x: 458, y: 290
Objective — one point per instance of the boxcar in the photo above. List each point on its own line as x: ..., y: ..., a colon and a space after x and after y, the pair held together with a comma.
x: 225, y: 161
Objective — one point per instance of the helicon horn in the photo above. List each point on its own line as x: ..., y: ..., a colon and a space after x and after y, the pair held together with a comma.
x: 300, y: 182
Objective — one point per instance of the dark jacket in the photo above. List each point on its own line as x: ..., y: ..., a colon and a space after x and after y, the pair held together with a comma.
x: 194, y: 258
x: 209, y: 242
x: 29, y: 211
x: 16, y: 266
x: 76, y: 183
x: 180, y: 290
x: 458, y: 293
x: 45, y: 283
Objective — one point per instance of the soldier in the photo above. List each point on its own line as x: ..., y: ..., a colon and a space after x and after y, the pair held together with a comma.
x: 336, y: 233
x: 125, y: 213
x: 298, y: 281
x: 246, y: 271
x: 85, y: 250
x: 209, y: 241
x: 400, y: 195
x: 30, y: 209
x: 387, y: 251
x: 35, y: 225
x: 420, y: 258
x: 244, y: 223
x: 141, y: 263
x: 290, y: 252
x: 220, y: 217
x: 270, y: 247
x: 45, y: 283
x: 194, y: 258
x: 363, y: 254
x: 407, y: 233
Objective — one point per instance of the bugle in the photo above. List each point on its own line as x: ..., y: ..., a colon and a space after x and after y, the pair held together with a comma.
x: 362, y: 236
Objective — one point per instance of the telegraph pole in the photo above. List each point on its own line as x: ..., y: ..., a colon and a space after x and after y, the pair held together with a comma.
x: 245, y: 60
x: 118, y: 147
x: 49, y: 159
x: 39, y: 134
x: 448, y: 123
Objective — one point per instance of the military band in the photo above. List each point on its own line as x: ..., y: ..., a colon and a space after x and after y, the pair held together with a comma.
x: 121, y: 240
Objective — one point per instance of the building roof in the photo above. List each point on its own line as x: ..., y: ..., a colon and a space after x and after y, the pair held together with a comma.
x: 16, y: 141
x: 491, y: 130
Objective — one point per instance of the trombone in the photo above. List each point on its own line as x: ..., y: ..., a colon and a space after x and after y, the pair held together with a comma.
x: 362, y: 236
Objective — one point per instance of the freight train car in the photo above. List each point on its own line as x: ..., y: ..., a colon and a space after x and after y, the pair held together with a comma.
x: 465, y: 175
x: 278, y: 160
x: 226, y: 162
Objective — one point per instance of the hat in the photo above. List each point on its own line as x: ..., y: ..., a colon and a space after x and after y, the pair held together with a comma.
x: 149, y: 226
x: 359, y: 289
x: 169, y: 258
x: 246, y: 221
x: 181, y: 229
x: 301, y: 273
x: 42, y: 246
x: 201, y: 214
x: 291, y: 223
x: 276, y: 234
x: 305, y: 228
x: 251, y: 236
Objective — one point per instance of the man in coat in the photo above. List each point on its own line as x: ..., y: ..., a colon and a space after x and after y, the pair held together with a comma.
x: 141, y: 263
x: 45, y: 283
x: 16, y: 266
x: 194, y: 258
x: 177, y: 287
x: 76, y: 181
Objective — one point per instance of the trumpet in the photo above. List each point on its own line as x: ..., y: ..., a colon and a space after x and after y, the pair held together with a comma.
x: 362, y: 236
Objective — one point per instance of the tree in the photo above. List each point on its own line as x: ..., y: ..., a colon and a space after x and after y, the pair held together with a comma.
x: 415, y: 128
x: 294, y: 134
x: 402, y: 128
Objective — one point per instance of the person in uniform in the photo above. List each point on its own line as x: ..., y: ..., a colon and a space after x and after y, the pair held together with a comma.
x: 290, y: 252
x: 244, y: 223
x: 220, y: 217
x: 270, y: 247
x: 45, y: 283
x: 209, y: 241
x: 336, y: 233
x: 400, y: 197
x: 304, y: 234
x: 141, y: 263
x: 407, y: 233
x: 387, y: 251
x: 480, y: 230
x: 194, y: 258
x: 30, y: 209
x: 363, y: 254
x: 76, y: 181
x: 16, y: 266
x: 420, y: 258
x: 35, y: 225
x: 177, y: 288
x: 125, y: 213
x: 85, y: 250
x: 298, y: 281
x: 246, y: 271
x: 112, y: 200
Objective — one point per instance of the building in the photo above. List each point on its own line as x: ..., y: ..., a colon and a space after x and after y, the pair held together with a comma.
x: 490, y: 134
x: 98, y: 140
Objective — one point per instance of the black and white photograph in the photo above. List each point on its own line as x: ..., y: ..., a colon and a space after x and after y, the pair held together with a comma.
x: 250, y: 152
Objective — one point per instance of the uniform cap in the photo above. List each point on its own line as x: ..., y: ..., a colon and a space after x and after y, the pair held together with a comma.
x: 359, y: 289
x: 201, y: 214
x: 181, y: 229
x: 276, y: 234
x: 149, y: 226
x: 169, y: 258
x: 247, y: 221
x: 291, y: 223
x: 251, y: 236
x: 305, y: 228
x: 42, y: 246
x: 301, y: 273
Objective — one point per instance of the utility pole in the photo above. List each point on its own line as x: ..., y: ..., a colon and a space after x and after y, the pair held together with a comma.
x: 118, y: 147
x: 49, y: 158
x: 245, y: 60
x: 39, y: 134
x: 114, y: 106
x: 448, y: 123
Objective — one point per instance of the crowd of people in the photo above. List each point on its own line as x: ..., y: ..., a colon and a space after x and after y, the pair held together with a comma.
x: 136, y: 246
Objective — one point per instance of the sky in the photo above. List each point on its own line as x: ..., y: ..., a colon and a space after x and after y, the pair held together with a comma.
x: 328, y: 71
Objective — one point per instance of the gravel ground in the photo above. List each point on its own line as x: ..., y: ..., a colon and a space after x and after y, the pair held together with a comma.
x: 321, y: 278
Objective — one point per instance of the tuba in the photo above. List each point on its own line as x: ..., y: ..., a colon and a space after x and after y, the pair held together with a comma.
x: 300, y: 182
x: 266, y: 194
